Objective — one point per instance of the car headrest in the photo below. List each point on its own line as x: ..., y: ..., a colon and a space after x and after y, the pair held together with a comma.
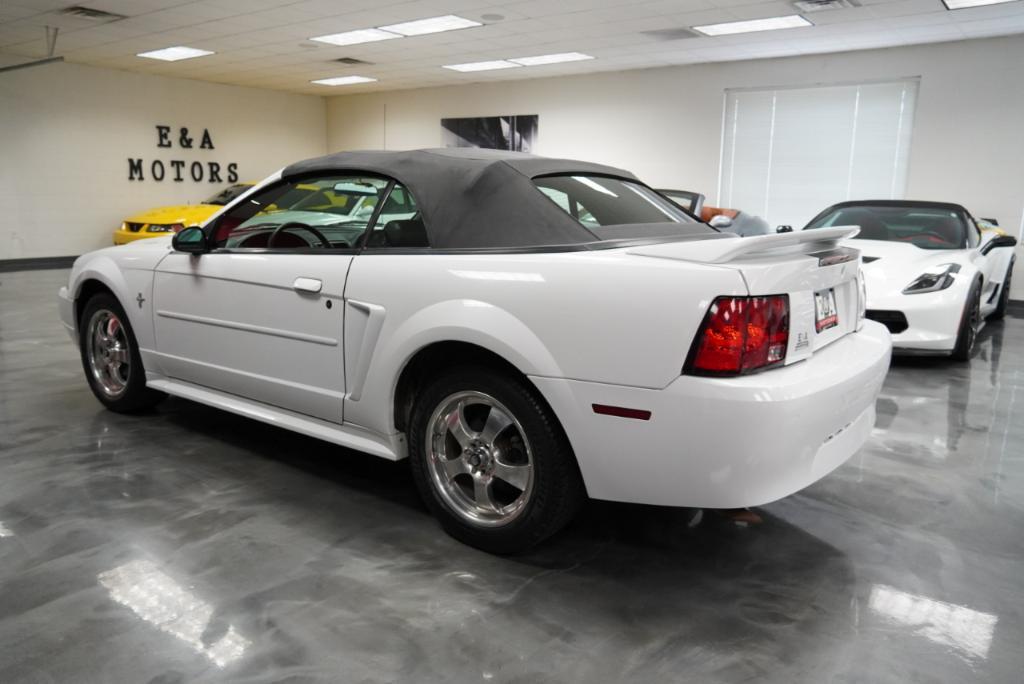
x: 406, y: 233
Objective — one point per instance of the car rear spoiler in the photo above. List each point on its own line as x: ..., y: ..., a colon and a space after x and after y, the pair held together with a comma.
x: 723, y: 251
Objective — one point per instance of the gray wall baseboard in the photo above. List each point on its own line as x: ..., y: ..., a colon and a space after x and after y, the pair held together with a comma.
x: 36, y: 264
x: 1015, y: 307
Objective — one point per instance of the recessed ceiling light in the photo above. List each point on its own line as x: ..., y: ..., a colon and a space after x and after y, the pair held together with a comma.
x: 369, y: 35
x: 551, y: 59
x: 420, y: 27
x: 483, y: 66
x: 173, y: 54
x: 344, y: 80
x: 769, y: 24
x: 964, y: 4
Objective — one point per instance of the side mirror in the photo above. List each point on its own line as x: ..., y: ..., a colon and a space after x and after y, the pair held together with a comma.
x: 784, y: 229
x: 720, y: 221
x: 999, y: 241
x: 191, y: 240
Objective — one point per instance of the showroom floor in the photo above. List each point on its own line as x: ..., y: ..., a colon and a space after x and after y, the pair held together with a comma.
x: 190, y: 544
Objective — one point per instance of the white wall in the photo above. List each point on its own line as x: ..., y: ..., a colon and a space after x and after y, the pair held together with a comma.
x: 67, y: 131
x: 665, y: 124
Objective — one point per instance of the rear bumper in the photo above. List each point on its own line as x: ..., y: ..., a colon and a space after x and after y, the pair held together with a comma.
x: 727, y: 442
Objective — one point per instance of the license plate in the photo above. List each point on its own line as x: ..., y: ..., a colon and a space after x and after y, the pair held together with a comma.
x: 825, y: 314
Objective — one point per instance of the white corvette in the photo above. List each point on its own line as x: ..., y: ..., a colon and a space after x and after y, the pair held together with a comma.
x: 520, y: 357
x: 932, y: 274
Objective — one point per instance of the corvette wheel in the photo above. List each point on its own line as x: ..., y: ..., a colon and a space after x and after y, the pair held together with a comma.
x: 1004, y: 294
x: 970, y: 322
x: 111, y: 358
x: 491, y: 462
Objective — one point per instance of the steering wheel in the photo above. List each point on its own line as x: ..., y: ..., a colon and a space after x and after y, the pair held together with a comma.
x: 325, y: 243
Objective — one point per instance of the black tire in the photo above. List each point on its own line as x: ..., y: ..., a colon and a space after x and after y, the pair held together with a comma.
x: 132, y: 395
x: 1004, y: 294
x: 970, y: 321
x: 545, y: 506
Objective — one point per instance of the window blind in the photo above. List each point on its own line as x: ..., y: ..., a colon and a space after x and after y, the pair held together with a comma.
x: 787, y: 153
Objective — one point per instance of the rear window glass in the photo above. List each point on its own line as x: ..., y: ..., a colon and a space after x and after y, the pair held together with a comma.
x: 616, y: 209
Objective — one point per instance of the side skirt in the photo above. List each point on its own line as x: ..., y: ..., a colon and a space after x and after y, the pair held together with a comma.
x: 347, y: 435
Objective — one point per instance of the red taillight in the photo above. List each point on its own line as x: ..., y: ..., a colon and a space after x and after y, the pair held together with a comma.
x: 741, y: 334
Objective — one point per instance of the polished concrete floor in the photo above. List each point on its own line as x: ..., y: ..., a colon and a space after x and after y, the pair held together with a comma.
x: 192, y: 545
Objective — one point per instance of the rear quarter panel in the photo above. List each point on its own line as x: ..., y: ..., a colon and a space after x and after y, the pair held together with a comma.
x: 601, y: 316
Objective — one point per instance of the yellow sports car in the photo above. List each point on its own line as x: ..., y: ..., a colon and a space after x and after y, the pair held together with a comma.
x: 157, y: 222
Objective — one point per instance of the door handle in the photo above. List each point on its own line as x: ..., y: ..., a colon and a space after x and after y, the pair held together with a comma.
x: 307, y: 285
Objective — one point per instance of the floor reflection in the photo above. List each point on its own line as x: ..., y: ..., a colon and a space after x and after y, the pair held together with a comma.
x: 967, y: 631
x: 162, y: 602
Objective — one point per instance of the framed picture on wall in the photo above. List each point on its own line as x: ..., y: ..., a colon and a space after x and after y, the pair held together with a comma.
x: 516, y: 132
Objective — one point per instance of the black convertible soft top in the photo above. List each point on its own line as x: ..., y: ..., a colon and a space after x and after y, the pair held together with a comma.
x: 474, y: 197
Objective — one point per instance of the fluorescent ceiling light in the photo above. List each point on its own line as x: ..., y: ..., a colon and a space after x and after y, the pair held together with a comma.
x: 551, y: 59
x: 420, y: 27
x: 173, y: 54
x: 964, y: 4
x: 369, y: 35
x: 483, y: 66
x: 769, y: 24
x: 343, y: 80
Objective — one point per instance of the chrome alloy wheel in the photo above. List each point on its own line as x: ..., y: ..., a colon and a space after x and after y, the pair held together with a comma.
x: 106, y: 348
x: 479, y: 459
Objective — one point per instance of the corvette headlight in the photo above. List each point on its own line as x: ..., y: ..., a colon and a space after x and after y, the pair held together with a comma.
x: 933, y: 280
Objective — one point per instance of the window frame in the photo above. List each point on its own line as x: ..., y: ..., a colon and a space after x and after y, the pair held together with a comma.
x: 365, y: 248
x: 358, y: 244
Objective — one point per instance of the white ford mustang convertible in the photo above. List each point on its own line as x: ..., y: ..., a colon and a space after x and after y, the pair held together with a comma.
x: 521, y: 357
x: 933, y: 276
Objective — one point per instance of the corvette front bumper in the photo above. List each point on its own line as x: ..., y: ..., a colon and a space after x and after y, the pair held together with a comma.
x: 727, y: 442
x: 933, y: 319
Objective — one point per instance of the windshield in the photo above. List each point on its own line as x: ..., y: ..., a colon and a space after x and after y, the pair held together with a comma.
x: 615, y: 209
x: 227, y: 194
x: 924, y: 227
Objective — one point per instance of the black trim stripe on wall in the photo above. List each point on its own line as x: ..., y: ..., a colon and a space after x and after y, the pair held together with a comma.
x: 36, y: 264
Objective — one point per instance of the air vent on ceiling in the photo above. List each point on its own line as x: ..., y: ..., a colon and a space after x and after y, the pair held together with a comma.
x: 351, y: 60
x: 822, y: 5
x: 91, y: 14
x: 671, y: 34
